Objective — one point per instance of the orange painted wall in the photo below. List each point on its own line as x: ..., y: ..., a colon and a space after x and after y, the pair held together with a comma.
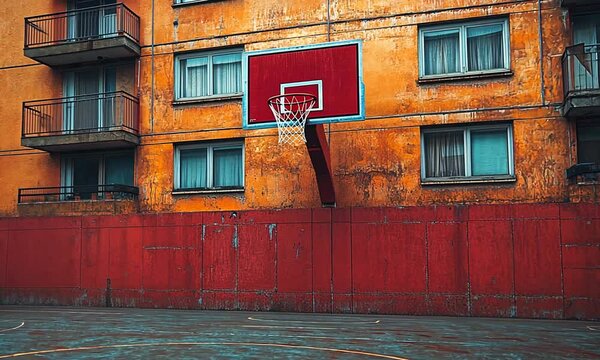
x: 375, y: 162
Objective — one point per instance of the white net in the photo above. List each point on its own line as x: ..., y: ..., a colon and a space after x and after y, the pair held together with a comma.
x: 291, y: 112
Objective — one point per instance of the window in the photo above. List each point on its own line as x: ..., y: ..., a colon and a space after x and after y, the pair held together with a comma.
x: 588, y: 142
x: 467, y: 153
x: 468, y: 48
x: 202, y: 75
x: 87, y: 173
x: 211, y: 166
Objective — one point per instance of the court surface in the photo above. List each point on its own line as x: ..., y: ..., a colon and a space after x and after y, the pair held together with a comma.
x: 104, y: 333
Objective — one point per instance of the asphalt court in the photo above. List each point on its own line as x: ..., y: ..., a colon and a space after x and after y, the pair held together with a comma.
x: 115, y: 333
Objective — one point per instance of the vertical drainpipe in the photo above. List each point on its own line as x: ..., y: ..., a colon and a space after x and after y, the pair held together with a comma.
x: 542, y: 84
x: 152, y: 73
x: 328, y: 21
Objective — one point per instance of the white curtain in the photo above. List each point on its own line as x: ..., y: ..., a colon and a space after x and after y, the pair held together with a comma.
x: 485, y: 47
x: 441, y: 52
x: 227, y: 74
x: 118, y: 169
x: 444, y: 154
x: 192, y: 165
x: 195, y: 77
x: 228, y: 167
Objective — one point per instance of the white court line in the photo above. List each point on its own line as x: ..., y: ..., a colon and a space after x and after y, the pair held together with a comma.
x: 64, y: 312
x: 318, y: 322
x: 15, y: 328
x: 594, y: 328
x: 289, y: 327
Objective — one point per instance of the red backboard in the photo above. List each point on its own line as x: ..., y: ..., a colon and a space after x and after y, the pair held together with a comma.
x: 330, y: 71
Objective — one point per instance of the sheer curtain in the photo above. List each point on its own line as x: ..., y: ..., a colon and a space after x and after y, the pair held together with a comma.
x: 192, y: 169
x: 444, y: 154
x: 484, y: 47
x: 227, y: 74
x: 585, y: 31
x: 195, y: 77
x: 118, y: 169
x: 441, y: 52
x: 228, y: 167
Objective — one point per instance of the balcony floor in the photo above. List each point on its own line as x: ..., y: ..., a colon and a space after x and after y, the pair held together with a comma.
x: 86, y: 51
x: 84, y: 141
x: 580, y: 104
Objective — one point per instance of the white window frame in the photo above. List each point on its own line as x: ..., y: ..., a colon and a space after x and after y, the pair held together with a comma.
x: 462, y: 43
x: 210, y: 148
x: 209, y: 55
x: 467, y: 152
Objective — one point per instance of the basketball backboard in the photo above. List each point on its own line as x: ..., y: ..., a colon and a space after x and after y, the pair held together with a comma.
x: 330, y: 71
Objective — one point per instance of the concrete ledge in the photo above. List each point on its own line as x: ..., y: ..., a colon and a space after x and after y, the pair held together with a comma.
x: 86, y: 141
x: 82, y: 207
x: 582, y: 104
x: 116, y: 47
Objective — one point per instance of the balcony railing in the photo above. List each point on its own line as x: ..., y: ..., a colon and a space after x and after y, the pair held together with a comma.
x: 81, y: 114
x: 78, y: 193
x: 581, y: 68
x: 82, y: 24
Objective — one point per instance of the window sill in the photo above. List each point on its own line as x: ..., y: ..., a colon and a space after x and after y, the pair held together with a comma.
x: 469, y: 181
x: 196, y: 2
x: 208, y: 191
x: 207, y: 99
x: 461, y: 77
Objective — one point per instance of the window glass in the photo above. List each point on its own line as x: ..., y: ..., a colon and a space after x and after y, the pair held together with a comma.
x: 195, y: 77
x: 227, y: 74
x: 208, y: 74
x: 489, y: 153
x: 462, y: 48
x: 119, y: 169
x: 484, y: 47
x: 445, y: 154
x: 588, y: 143
x: 228, y: 169
x: 193, y: 170
x: 442, y: 52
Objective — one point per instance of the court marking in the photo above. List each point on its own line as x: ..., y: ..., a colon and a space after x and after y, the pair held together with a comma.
x: 102, y: 347
x: 14, y: 328
x: 594, y: 328
x: 344, y: 322
x: 65, y: 312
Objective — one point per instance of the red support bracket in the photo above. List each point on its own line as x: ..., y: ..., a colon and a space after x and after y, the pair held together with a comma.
x: 318, y: 149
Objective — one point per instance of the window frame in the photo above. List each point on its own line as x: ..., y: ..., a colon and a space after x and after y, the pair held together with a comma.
x: 210, y: 147
x: 468, y: 177
x: 209, y: 54
x: 66, y: 165
x: 462, y: 44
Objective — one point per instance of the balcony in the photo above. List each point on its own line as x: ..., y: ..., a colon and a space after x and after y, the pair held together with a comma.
x: 584, y: 173
x: 77, y: 200
x: 581, y: 75
x: 87, y: 122
x: 81, y: 36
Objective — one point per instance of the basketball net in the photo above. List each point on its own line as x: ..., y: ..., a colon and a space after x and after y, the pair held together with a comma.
x: 291, y: 112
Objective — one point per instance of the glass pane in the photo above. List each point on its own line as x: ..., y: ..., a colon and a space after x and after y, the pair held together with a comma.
x: 489, y: 153
x: 485, y: 47
x: 119, y: 169
x: 444, y: 154
x: 588, y: 144
x: 194, y: 77
x: 192, y: 169
x: 85, y: 177
x: 228, y: 167
x: 227, y: 74
x: 441, y: 52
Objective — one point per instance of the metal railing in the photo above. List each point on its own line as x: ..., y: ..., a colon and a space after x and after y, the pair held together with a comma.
x: 82, y: 24
x: 78, y: 193
x: 581, y: 68
x: 81, y: 114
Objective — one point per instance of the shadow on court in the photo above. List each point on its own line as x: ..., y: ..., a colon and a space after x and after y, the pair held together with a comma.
x: 75, y: 333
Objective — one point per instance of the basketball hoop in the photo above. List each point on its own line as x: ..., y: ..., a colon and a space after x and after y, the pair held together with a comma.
x: 291, y: 112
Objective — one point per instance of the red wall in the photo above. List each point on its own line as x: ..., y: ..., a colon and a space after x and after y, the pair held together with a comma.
x: 537, y: 260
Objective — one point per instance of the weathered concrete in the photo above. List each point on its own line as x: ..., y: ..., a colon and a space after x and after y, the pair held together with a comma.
x: 98, y: 140
x: 86, y: 51
x: 582, y: 104
x: 74, y: 333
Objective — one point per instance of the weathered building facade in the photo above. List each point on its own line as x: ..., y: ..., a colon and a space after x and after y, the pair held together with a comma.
x: 470, y: 188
